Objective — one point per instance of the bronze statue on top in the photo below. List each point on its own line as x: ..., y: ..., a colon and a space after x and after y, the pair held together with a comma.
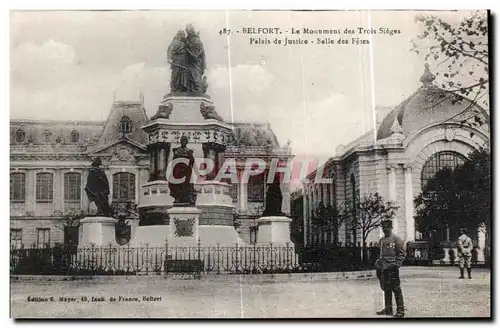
x: 186, y: 56
x: 97, y: 188
x: 183, y: 193
x: 274, y: 199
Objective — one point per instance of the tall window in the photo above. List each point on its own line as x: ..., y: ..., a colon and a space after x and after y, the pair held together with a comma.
x: 43, y: 237
x: 75, y: 136
x: 72, y: 186
x: 20, y: 135
x: 123, y: 186
x: 439, y: 161
x: 125, y: 125
x: 16, y: 238
x: 17, y: 187
x: 256, y: 188
x: 44, y: 187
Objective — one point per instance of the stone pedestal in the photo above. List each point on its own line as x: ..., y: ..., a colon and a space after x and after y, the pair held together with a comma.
x: 273, y: 229
x: 184, y: 223
x: 97, y: 231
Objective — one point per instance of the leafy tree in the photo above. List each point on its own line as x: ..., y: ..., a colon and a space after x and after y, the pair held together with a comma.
x: 69, y: 224
x: 367, y: 215
x: 297, y: 224
x: 326, y: 218
x: 459, y: 198
x: 461, y: 52
x: 69, y: 220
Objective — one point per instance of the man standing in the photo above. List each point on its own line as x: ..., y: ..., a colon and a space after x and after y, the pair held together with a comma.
x: 97, y: 188
x: 464, y: 248
x: 392, y: 255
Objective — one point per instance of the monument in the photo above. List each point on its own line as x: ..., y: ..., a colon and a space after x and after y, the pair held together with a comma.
x: 273, y: 226
x: 186, y: 127
x: 175, y: 208
x: 100, y: 229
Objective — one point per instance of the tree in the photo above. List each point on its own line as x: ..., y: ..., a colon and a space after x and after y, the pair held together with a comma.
x: 69, y: 224
x: 463, y: 52
x: 326, y: 218
x: 459, y: 198
x: 367, y: 215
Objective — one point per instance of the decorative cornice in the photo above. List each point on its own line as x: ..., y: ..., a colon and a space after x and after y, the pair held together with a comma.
x: 392, y: 166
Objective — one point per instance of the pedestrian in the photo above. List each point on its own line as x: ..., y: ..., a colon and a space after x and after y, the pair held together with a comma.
x: 392, y: 255
x: 464, y: 248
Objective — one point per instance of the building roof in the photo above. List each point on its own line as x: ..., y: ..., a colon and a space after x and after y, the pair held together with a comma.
x: 253, y: 134
x: 50, y: 132
x: 124, y: 110
x: 428, y: 105
x: 99, y: 134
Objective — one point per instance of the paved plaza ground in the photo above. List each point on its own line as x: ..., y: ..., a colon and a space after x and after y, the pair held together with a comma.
x: 428, y: 292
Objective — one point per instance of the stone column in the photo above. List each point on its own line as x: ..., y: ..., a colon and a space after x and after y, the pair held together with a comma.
x: 410, y: 221
x: 243, y: 193
x: 153, y: 163
x: 58, y: 191
x: 161, y: 163
x: 30, y: 190
x: 110, y: 180
x: 137, y: 185
x: 392, y: 191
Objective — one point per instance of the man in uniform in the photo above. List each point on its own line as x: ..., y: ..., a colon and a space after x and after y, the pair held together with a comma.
x: 392, y: 255
x: 464, y: 248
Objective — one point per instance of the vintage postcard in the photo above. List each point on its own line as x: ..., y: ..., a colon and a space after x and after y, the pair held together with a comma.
x: 250, y: 164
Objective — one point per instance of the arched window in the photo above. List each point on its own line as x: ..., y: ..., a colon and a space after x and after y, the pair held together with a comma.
x: 46, y: 135
x: 124, y: 186
x: 20, y: 135
x: 44, y: 187
x: 125, y: 125
x: 72, y: 186
x: 439, y: 161
x: 75, y: 136
x: 17, y: 187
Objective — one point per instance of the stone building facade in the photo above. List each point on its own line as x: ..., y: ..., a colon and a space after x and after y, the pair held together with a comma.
x: 49, y: 163
x: 412, y: 142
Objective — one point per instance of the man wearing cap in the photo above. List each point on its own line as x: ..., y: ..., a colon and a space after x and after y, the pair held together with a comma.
x: 392, y: 255
x: 464, y: 248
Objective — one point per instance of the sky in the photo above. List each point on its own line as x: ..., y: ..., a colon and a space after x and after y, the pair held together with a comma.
x: 71, y: 65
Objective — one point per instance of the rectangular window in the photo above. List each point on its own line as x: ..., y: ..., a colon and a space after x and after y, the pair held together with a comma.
x: 17, y: 187
x: 43, y: 237
x: 124, y: 186
x: 72, y: 186
x: 16, y: 238
x: 44, y: 187
x: 256, y: 187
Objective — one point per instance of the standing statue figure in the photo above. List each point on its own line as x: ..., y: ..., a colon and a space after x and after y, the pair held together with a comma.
x: 183, y: 193
x: 186, y: 56
x: 274, y: 199
x: 177, y: 58
x: 97, y: 188
x: 196, y: 60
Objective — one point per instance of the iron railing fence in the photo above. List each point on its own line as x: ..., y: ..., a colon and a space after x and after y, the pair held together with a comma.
x: 129, y: 260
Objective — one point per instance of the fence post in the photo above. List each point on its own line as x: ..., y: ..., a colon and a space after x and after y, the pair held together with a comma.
x: 200, y: 263
x: 166, y: 255
x: 218, y: 259
x: 236, y: 262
